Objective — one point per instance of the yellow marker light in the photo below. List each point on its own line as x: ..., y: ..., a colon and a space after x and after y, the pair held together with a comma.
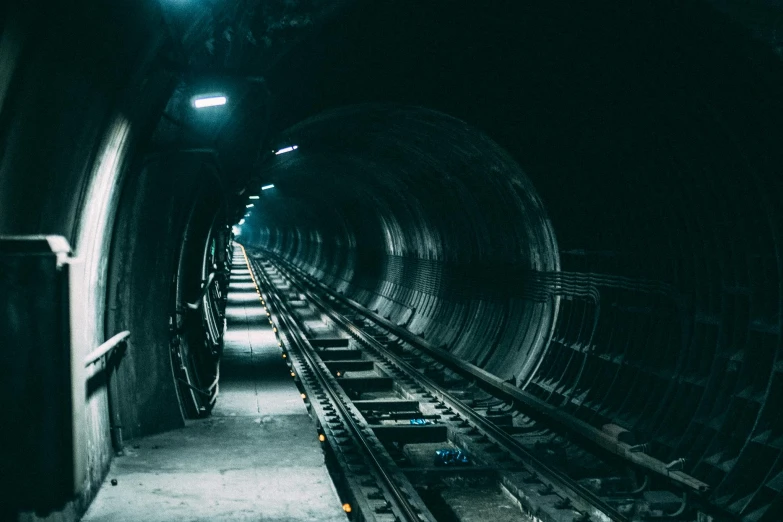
x: 322, y: 437
x: 280, y: 345
x: 293, y: 374
x: 347, y: 508
x: 304, y: 396
x: 275, y: 329
x: 283, y: 356
x: 338, y: 374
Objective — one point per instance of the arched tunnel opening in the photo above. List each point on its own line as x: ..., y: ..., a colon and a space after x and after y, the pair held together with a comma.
x: 433, y: 225
x: 574, y: 207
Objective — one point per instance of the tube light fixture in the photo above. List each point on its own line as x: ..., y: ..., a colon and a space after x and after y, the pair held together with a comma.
x: 252, y: 197
x: 267, y: 187
x: 287, y: 149
x: 242, y: 221
x: 249, y: 206
x: 209, y: 101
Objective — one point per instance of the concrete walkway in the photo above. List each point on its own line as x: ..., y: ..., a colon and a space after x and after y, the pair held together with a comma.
x: 256, y: 458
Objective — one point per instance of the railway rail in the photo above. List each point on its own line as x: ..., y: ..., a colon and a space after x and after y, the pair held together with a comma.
x: 391, y: 413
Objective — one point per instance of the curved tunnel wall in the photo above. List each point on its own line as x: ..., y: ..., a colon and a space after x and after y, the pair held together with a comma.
x: 81, y: 92
x: 78, y: 95
x: 432, y: 224
x: 170, y: 209
x: 651, y: 135
x: 667, y: 303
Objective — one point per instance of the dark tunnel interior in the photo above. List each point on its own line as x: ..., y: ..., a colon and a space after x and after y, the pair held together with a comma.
x: 583, y: 199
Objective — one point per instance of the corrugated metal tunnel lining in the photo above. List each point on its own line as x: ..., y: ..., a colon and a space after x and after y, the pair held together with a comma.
x: 666, y: 326
x: 423, y: 218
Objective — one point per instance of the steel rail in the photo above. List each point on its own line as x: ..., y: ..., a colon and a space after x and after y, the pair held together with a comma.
x: 576, y: 426
x: 106, y: 347
x: 300, y: 339
x: 593, y: 505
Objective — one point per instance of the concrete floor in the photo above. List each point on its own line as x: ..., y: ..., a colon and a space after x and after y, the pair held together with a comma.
x: 256, y: 458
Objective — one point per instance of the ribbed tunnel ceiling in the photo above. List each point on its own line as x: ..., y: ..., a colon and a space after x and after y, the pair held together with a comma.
x: 430, y: 209
x: 453, y: 188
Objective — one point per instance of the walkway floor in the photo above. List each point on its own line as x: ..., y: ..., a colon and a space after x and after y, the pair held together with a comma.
x: 256, y: 458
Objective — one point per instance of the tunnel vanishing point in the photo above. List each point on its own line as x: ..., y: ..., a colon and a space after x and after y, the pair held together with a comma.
x: 582, y: 200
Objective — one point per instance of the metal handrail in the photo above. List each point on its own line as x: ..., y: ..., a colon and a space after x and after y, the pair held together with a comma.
x: 400, y: 497
x: 197, y: 303
x: 105, y: 348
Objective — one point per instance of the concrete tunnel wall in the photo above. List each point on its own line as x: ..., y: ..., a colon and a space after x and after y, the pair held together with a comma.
x: 662, y: 188
x: 81, y: 92
x: 71, y: 102
x: 417, y: 227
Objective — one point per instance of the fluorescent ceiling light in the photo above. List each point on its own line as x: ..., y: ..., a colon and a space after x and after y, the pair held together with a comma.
x: 209, y: 101
x: 242, y: 221
x: 249, y: 206
x: 253, y: 197
x: 287, y: 149
x: 267, y: 187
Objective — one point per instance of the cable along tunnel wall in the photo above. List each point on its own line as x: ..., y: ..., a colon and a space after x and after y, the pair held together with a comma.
x: 646, y: 326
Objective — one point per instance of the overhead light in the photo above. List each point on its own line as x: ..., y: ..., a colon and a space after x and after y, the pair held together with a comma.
x: 252, y: 197
x: 267, y: 187
x: 249, y: 206
x: 209, y: 101
x: 242, y: 221
x: 287, y: 149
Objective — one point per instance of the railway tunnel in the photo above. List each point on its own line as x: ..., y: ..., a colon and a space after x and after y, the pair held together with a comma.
x: 578, y: 204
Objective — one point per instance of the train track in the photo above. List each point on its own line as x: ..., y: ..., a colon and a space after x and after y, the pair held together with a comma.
x: 384, y: 408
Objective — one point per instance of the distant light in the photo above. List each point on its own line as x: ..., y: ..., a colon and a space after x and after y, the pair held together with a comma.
x: 209, y: 101
x: 242, y: 221
x: 236, y: 230
x: 253, y: 197
x: 287, y: 149
x: 249, y: 206
x: 267, y: 187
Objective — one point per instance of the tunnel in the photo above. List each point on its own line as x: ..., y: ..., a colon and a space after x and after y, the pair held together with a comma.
x: 581, y: 201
